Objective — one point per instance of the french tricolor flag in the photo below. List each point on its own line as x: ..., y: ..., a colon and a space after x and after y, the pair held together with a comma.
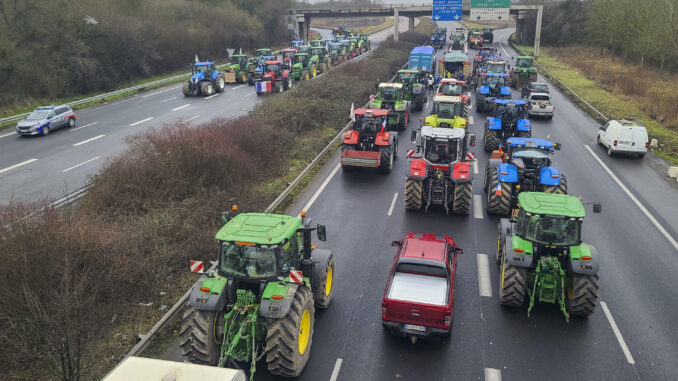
x: 263, y: 87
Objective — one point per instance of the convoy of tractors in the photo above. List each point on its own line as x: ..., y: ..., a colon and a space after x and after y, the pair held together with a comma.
x: 270, y: 279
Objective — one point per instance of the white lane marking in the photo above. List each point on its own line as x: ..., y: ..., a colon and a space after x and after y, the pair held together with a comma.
x: 335, y: 371
x: 395, y: 197
x: 471, y: 120
x: 237, y: 87
x: 168, y: 99
x: 478, y: 207
x: 492, y: 374
x: 17, y: 165
x: 160, y: 92
x: 211, y: 96
x: 180, y: 107
x: 617, y: 333
x: 190, y: 119
x: 633, y: 198
x: 249, y: 95
x: 81, y: 127
x: 475, y: 167
x: 502, y: 48
x: 468, y: 94
x: 484, y: 285
x: 83, y: 163
x: 88, y: 140
x: 6, y: 135
x: 141, y: 121
x: 321, y: 189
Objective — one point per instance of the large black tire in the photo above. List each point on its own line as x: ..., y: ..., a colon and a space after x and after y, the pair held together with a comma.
x: 414, y: 194
x: 220, y: 84
x: 514, y: 80
x: 511, y: 285
x: 463, y: 194
x: 582, y: 296
x: 533, y: 76
x: 323, y: 67
x: 498, y: 204
x: 282, y: 339
x: 490, y: 140
x: 206, y: 89
x: 250, y: 78
x: 199, y: 339
x: 387, y: 157
x: 480, y: 104
x: 323, y: 279
x: 557, y: 189
x: 186, y: 89
x: 419, y: 102
x: 524, y: 134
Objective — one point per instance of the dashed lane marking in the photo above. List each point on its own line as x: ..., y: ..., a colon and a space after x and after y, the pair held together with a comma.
x: 180, y: 107
x: 475, y: 167
x: 190, y: 119
x: 471, y: 120
x: 484, y: 284
x: 81, y: 164
x: 335, y: 371
x: 321, y: 189
x: 141, y: 121
x: 390, y: 210
x: 492, y: 374
x: 211, y: 96
x: 617, y: 333
x: 249, y: 95
x: 478, y: 207
x: 88, y: 140
x: 160, y: 92
x: 168, y: 99
x: 237, y: 87
x: 15, y: 166
x: 81, y: 127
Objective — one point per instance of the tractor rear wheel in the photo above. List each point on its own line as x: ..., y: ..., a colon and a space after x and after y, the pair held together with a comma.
x: 419, y: 102
x: 386, y: 162
x: 498, y: 203
x: 206, y: 89
x: 186, y: 89
x: 413, y: 194
x: 490, y: 140
x: 288, y: 340
x: 524, y: 134
x: 511, y: 285
x: 323, y: 279
x: 463, y: 193
x: 344, y: 148
x: 557, y: 189
x: 220, y: 84
x: 201, y: 335
x: 323, y: 67
x: 582, y: 295
x: 242, y: 77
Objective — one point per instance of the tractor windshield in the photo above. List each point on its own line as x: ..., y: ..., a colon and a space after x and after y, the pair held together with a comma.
x: 447, y: 110
x: 407, y: 77
x: 288, y: 55
x: 532, y: 158
x: 552, y: 230
x: 441, y: 151
x: 451, y: 88
x: 247, y: 261
x: 368, y: 126
x: 476, y: 35
x: 495, y: 82
x: 272, y: 67
x: 524, y: 62
x: 389, y: 94
x: 317, y: 52
x: 201, y: 68
x: 495, y: 68
x: 300, y: 58
x: 510, y: 112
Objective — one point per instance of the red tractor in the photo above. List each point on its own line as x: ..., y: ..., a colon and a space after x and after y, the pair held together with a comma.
x: 440, y: 170
x: 368, y: 144
x: 276, y: 78
x: 288, y: 57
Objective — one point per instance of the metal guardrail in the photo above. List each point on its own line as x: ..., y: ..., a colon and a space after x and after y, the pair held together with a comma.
x: 562, y: 85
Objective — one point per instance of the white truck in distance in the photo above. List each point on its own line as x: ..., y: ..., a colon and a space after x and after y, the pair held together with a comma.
x: 539, y: 104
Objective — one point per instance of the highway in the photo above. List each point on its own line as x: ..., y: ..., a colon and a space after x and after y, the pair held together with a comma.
x: 49, y: 167
x: 630, y: 336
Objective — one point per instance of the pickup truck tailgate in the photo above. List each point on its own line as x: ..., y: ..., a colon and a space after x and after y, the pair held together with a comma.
x: 417, y: 299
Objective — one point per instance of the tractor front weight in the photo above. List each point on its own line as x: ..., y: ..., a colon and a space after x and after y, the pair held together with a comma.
x: 549, y: 284
x: 242, y: 332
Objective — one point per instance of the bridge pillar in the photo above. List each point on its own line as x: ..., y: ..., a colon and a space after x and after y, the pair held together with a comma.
x: 537, y: 31
x: 396, y: 24
x: 307, y: 29
x: 411, y: 26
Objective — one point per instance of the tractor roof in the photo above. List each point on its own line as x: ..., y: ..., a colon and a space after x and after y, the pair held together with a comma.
x: 263, y: 49
x: 290, y: 50
x: 273, y: 62
x: 495, y: 75
x: 440, y: 132
x: 530, y: 143
x: 207, y: 63
x: 495, y: 61
x: 452, y: 80
x: 238, y: 55
x: 370, y: 111
x: 259, y: 228
x: 408, y: 71
x: 447, y: 99
x: 530, y: 57
x: 517, y: 102
x: 552, y: 204
x: 390, y: 84
x: 301, y: 54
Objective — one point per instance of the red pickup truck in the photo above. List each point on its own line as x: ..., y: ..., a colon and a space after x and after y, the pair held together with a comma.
x: 419, y: 295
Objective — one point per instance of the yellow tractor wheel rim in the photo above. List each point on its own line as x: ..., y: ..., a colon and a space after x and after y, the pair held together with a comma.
x: 498, y: 242
x: 304, y: 331
x: 328, y: 281
x: 503, y: 267
x: 307, y: 76
x: 314, y: 71
x: 244, y: 77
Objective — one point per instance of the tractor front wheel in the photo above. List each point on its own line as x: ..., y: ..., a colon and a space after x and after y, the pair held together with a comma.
x: 186, y: 89
x: 463, y: 193
x: 557, y: 189
x: 498, y: 195
x: 288, y: 340
x: 323, y: 278
x: 386, y: 160
x: 206, y: 89
x: 511, y: 285
x: 201, y: 336
x: 582, y: 295
x: 413, y: 194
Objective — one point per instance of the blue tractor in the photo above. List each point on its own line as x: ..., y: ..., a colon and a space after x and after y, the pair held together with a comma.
x: 492, y: 86
x: 509, y: 118
x: 204, y: 80
x: 526, y: 166
x: 258, y: 73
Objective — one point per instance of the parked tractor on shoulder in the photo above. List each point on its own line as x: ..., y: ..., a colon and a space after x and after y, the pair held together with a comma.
x: 261, y: 300
x: 492, y: 86
x: 448, y: 112
x: 205, y: 80
x: 368, y: 143
x: 523, y: 72
x: 391, y: 97
x: 440, y: 170
x: 543, y: 258
x: 525, y: 166
x: 414, y: 90
x: 509, y: 119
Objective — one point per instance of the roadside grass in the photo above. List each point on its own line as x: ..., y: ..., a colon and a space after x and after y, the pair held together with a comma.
x: 151, y: 210
x: 388, y: 23
x: 619, y: 91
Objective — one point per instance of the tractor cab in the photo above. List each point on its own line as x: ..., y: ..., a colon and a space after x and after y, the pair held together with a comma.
x: 523, y: 72
x: 273, y: 69
x: 495, y: 67
x: 319, y: 51
x: 288, y: 54
x: 304, y: 48
x: 240, y: 60
x: 442, y: 146
x: 509, y: 119
x: 390, y: 92
x: 486, y: 52
x: 452, y: 87
x: 524, y: 62
x: 369, y: 121
x: 447, y: 112
x: 454, y: 62
x: 495, y: 85
x: 513, y: 110
x: 262, y: 52
x: 301, y: 59
x: 317, y: 43
x: 296, y: 44
x: 201, y: 70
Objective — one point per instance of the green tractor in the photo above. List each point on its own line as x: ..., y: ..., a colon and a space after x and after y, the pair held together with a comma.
x: 239, y: 66
x: 391, y: 96
x: 320, y: 55
x: 543, y: 258
x: 413, y: 89
x: 357, y: 45
x: 337, y: 53
x: 366, y: 44
x: 304, y: 67
x: 523, y: 72
x: 261, y: 299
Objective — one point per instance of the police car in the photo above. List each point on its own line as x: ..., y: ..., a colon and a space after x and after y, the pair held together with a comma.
x: 43, y: 120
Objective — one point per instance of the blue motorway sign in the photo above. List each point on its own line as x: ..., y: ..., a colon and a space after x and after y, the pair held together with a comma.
x: 446, y: 10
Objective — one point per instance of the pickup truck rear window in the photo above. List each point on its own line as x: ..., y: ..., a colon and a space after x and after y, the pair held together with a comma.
x: 422, y: 269
x: 541, y: 98
x: 419, y: 289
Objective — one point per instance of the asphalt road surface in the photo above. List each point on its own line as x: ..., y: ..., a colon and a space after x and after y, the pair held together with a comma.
x: 36, y: 168
x: 630, y: 336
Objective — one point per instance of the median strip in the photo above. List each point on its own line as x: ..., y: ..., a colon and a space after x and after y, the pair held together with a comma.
x: 15, y: 166
x: 88, y: 140
x: 141, y: 121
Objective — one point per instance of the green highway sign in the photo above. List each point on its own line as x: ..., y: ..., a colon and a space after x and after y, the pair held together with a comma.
x: 490, y: 3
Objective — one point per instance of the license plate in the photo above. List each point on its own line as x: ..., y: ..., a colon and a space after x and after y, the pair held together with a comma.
x: 415, y: 327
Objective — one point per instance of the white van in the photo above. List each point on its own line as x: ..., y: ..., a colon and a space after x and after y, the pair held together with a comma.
x: 625, y: 136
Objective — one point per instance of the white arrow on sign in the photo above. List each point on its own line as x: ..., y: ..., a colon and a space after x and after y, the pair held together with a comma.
x: 437, y: 17
x: 456, y: 17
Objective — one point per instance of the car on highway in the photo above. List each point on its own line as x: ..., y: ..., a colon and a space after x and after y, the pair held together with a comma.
x: 534, y: 87
x: 45, y: 119
x: 540, y: 104
x: 624, y: 136
x: 418, y: 298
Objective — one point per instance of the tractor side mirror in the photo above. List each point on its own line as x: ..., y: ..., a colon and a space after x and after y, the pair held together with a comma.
x: 322, y: 232
x: 557, y: 146
x: 597, y: 207
x: 472, y: 140
x: 396, y: 243
x: 413, y: 135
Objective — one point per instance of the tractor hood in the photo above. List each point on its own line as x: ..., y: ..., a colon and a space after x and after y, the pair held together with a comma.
x: 298, y: 66
x: 269, y: 76
x: 197, y: 77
